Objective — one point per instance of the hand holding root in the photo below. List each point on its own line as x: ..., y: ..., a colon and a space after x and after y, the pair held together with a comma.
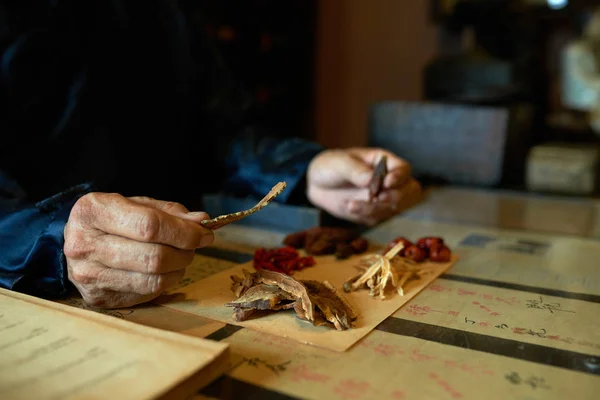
x: 122, y: 251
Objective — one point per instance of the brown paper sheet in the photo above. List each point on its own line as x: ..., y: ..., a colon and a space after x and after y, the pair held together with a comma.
x: 208, y: 296
x: 49, y: 350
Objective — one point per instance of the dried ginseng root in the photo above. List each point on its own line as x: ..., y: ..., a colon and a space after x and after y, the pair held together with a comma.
x: 313, y: 301
x: 377, y: 179
x: 378, y: 274
x: 330, y: 308
x: 222, y: 220
x: 401, y: 262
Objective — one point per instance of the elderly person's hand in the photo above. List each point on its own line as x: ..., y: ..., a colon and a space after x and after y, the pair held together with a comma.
x: 125, y: 251
x: 338, y: 183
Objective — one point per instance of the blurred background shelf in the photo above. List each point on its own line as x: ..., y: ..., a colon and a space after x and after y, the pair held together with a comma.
x: 318, y: 69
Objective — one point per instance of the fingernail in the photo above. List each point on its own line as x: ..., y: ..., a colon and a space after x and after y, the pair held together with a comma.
x: 198, y: 215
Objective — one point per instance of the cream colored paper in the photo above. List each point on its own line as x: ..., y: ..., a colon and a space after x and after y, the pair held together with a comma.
x: 200, y: 268
x: 167, y: 318
x: 152, y: 315
x: 208, y: 296
x: 568, y: 263
x: 509, y: 314
x: 388, y: 366
x: 52, y: 351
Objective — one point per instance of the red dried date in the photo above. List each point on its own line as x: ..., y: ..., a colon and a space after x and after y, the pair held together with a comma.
x: 321, y: 246
x: 324, y: 240
x: 343, y: 251
x: 415, y: 253
x: 440, y: 254
x: 407, y: 244
x: 295, y: 240
x: 426, y: 248
x: 359, y: 245
x: 429, y: 242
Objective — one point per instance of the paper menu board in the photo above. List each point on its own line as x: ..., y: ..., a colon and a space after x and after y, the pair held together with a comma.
x: 154, y: 316
x: 544, y: 320
x: 524, y: 364
x: 49, y: 350
x: 393, y: 366
x: 419, y: 356
x: 200, y: 268
x: 208, y: 296
x: 517, y: 257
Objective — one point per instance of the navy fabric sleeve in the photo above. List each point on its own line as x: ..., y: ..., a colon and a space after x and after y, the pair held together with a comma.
x: 31, y: 243
x: 255, y: 163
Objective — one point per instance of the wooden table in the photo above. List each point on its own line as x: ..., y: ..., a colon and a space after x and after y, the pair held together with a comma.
x: 518, y: 317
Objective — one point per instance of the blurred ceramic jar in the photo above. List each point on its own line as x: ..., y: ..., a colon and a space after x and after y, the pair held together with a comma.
x: 581, y: 72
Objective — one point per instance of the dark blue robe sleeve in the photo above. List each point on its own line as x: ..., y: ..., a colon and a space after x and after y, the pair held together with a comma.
x: 255, y: 163
x: 31, y: 240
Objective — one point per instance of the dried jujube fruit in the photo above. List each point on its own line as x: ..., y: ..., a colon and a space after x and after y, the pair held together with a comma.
x: 415, y: 253
x: 359, y: 245
x: 407, y: 243
x: 295, y: 240
x: 431, y: 248
x: 343, y: 250
x: 440, y: 254
x: 327, y: 240
x: 429, y: 242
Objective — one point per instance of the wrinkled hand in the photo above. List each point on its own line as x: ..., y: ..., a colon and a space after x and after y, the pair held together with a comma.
x: 338, y: 182
x: 125, y: 251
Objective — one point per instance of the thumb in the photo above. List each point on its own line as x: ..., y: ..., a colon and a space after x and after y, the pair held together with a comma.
x: 171, y: 208
x: 355, y: 171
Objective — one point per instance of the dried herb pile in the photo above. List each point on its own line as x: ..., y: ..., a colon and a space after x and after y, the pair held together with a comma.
x: 284, y: 260
x: 401, y: 262
x: 328, y: 240
x: 315, y: 302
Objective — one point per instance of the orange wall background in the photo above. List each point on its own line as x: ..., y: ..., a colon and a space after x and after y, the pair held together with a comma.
x: 367, y: 51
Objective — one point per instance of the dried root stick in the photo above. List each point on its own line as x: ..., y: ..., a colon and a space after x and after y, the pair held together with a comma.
x: 379, y: 271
